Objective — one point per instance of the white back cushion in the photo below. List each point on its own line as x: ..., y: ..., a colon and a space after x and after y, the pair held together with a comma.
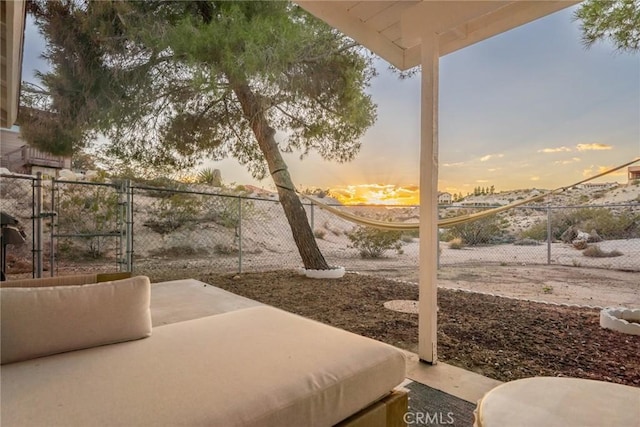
x: 41, y: 321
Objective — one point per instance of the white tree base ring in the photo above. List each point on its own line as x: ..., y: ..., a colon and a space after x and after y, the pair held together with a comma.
x: 332, y: 273
x: 402, y: 306
x: 621, y: 319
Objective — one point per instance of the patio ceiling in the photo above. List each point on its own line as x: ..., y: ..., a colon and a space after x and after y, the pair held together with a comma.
x: 393, y: 29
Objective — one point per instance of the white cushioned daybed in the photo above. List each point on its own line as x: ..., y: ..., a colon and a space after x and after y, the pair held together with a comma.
x: 87, y: 355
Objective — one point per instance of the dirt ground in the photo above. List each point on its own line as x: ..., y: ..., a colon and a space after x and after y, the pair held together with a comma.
x: 501, y: 338
x: 556, y: 284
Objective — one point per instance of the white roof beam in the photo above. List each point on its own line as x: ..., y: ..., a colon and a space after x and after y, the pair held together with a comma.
x: 356, y: 29
x: 438, y: 17
x: 504, y: 19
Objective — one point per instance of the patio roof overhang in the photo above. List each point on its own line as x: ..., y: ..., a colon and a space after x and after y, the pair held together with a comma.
x: 393, y: 29
x: 410, y: 33
x: 12, y: 39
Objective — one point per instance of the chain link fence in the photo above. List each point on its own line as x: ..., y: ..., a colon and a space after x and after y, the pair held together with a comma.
x: 70, y: 226
x: 187, y: 229
x: 17, y: 200
x: 603, y: 236
x: 87, y: 226
x: 610, y: 235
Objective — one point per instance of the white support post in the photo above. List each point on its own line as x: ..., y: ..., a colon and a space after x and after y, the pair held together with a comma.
x: 428, y: 305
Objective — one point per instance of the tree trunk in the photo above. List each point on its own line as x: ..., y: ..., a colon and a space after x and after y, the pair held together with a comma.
x: 296, y: 216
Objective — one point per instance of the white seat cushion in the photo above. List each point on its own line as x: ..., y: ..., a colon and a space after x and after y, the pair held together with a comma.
x: 253, y: 367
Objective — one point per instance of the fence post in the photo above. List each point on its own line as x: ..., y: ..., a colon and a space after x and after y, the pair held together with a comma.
x: 239, y: 235
x: 438, y: 234
x: 129, y: 225
x: 121, y: 224
x: 37, y: 232
x: 52, y: 247
x: 125, y: 221
x: 33, y: 228
x: 549, y: 237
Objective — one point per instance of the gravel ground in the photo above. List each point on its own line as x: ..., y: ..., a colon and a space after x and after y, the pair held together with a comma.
x: 497, y: 337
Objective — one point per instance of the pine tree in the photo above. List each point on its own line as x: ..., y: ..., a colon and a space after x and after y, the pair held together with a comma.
x: 615, y: 20
x: 172, y: 83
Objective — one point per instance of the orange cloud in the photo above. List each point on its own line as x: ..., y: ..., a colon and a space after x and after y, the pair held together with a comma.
x: 377, y: 194
x: 567, y: 162
x: 555, y: 150
x: 596, y: 146
x: 491, y: 156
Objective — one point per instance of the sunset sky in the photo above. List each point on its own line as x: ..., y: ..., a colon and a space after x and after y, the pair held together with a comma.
x: 528, y: 108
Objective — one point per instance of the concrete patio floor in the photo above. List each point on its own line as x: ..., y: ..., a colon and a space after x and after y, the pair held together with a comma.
x: 187, y: 299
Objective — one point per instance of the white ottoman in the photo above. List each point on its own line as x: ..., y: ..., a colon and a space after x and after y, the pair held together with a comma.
x: 552, y: 401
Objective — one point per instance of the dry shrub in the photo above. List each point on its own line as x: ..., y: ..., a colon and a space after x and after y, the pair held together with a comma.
x: 456, y: 243
x: 406, y: 238
x: 580, y: 244
x: 596, y: 252
x: 526, y: 242
x: 319, y: 234
x: 373, y: 242
x: 177, y: 251
x: 480, y: 231
x: 226, y: 249
x: 17, y: 265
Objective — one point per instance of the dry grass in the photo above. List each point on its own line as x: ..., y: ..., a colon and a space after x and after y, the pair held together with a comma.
x: 596, y: 252
x: 456, y: 243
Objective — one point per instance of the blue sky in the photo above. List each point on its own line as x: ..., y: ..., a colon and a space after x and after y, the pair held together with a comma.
x: 529, y: 108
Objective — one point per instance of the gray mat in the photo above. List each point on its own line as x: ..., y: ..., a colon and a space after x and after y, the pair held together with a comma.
x: 431, y: 407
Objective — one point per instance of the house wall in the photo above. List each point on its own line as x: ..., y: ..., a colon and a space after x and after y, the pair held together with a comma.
x: 593, y: 185
x: 9, y: 141
x: 12, y: 15
x: 444, y: 198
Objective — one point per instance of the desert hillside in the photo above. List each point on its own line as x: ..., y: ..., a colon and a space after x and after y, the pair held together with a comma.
x: 202, y: 226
